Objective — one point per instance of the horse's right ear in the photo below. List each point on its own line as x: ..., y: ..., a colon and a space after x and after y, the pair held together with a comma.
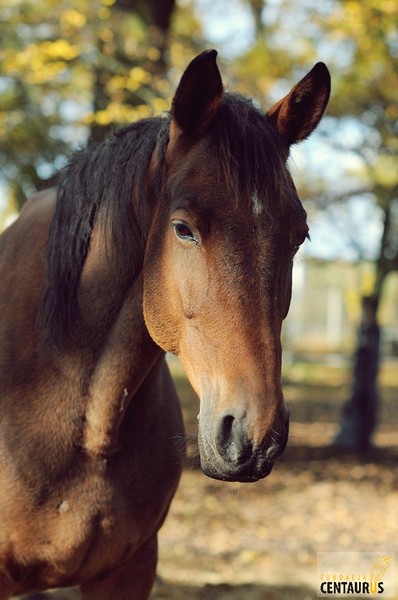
x: 198, y: 95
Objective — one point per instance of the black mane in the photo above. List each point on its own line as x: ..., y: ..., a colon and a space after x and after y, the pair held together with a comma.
x: 99, y: 183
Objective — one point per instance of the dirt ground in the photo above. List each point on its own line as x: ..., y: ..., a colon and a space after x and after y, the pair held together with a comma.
x: 259, y: 541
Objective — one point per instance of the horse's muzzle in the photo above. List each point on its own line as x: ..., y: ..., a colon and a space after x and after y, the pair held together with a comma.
x: 232, y: 456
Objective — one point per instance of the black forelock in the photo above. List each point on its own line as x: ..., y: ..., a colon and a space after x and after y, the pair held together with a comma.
x: 249, y: 149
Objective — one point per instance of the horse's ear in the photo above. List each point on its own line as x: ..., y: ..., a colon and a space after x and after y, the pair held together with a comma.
x: 198, y: 95
x: 298, y: 113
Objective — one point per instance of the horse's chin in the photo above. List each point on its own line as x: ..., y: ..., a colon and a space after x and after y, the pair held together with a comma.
x: 210, y: 471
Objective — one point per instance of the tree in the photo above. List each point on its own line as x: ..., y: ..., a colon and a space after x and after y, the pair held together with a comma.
x: 72, y: 70
x: 367, y: 95
x: 34, y: 61
x: 127, y: 76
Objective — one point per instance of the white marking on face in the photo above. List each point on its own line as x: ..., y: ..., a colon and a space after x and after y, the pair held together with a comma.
x: 63, y: 507
x: 257, y: 206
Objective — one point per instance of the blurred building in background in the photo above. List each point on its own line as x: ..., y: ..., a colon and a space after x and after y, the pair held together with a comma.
x: 325, y: 309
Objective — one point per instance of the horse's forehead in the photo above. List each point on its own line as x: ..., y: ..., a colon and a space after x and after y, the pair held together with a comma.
x: 206, y: 196
x: 199, y: 182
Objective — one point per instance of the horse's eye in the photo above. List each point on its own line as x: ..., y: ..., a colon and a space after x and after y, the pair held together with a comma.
x: 184, y: 232
x: 300, y: 242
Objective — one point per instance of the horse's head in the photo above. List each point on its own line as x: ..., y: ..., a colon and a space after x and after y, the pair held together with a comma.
x: 218, y: 266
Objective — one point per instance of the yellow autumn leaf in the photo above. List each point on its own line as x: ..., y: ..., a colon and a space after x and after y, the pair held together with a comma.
x: 103, y: 117
x: 159, y: 105
x: 153, y: 53
x: 46, y: 73
x: 139, y: 75
x: 60, y: 48
x: 116, y: 84
x: 104, y: 13
x: 385, y: 171
x: 106, y: 34
x: 74, y: 18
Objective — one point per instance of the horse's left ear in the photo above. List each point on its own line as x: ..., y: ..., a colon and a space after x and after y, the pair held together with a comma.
x: 298, y: 113
x: 198, y: 95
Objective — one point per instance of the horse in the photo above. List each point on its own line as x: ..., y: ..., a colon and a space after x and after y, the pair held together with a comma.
x: 175, y: 234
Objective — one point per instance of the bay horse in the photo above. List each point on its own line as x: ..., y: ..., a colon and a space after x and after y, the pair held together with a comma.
x: 176, y: 234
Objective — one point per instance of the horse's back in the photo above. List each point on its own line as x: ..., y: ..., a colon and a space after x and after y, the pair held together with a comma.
x: 34, y: 219
x: 22, y: 269
x: 22, y: 260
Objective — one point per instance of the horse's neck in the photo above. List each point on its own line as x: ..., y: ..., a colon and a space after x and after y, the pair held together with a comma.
x: 125, y: 358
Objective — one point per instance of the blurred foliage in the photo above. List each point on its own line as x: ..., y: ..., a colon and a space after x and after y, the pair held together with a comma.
x: 44, y: 87
x: 365, y: 89
x: 70, y: 70
x: 358, y: 39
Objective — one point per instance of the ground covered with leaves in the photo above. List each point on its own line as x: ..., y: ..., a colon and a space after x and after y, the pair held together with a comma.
x: 259, y: 541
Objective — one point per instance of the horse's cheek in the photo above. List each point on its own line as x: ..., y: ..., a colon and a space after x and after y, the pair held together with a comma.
x: 175, y: 290
x: 160, y: 308
x: 158, y: 320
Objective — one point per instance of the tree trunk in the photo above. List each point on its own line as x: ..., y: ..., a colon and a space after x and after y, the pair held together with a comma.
x: 156, y: 16
x: 359, y: 417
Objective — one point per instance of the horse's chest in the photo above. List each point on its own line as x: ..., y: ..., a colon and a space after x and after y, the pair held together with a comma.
x: 91, y: 525
x: 77, y: 516
x: 99, y: 521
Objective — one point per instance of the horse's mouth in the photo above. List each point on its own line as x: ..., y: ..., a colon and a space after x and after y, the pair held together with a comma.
x: 250, y: 477
x: 217, y: 467
x: 232, y: 456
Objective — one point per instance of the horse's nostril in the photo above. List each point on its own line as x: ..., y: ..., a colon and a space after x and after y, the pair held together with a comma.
x: 231, y: 440
x: 226, y: 426
x: 225, y: 432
